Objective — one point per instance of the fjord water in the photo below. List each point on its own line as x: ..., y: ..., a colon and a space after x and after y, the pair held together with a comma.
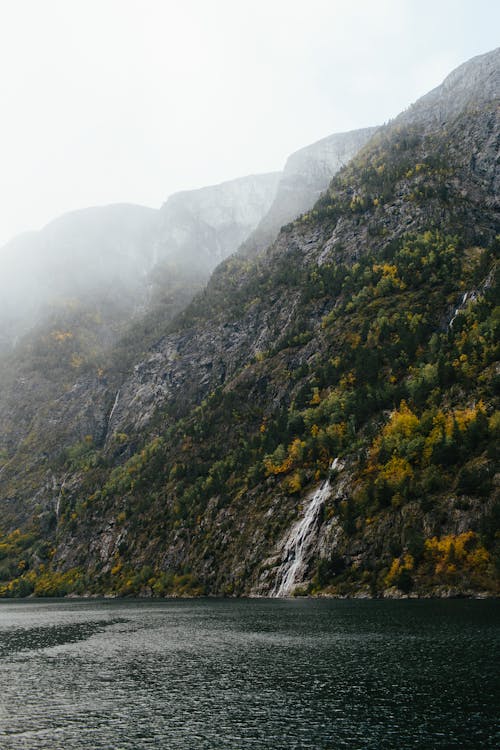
x: 272, y: 674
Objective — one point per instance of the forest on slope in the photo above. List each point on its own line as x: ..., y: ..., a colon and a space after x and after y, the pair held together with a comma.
x: 366, y: 333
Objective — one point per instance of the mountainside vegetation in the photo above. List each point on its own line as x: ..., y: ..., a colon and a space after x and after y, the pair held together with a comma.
x: 367, y: 333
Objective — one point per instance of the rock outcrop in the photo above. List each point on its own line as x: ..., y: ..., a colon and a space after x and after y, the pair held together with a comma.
x: 469, y: 86
x: 306, y: 175
x: 205, y: 226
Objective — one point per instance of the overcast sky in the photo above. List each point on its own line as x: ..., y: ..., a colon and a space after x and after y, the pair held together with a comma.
x: 130, y: 100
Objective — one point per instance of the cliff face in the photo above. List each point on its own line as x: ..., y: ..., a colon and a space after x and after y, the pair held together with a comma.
x: 468, y: 87
x: 306, y: 175
x: 205, y: 226
x: 321, y: 417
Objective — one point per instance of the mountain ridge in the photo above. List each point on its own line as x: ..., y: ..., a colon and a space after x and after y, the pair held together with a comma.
x: 473, y: 82
x: 90, y: 250
x: 306, y: 174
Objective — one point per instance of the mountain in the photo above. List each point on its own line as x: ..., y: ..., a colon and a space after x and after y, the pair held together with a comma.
x: 321, y: 418
x: 306, y: 175
x: 104, y: 250
x: 114, y: 251
x: 205, y: 226
x: 92, y: 289
x: 468, y: 87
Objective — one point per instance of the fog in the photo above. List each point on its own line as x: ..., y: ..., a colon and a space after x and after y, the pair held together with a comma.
x: 131, y: 101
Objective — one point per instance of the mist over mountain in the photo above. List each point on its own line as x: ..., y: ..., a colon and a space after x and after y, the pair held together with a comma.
x: 204, y: 226
x: 112, y: 252
x: 320, y: 417
x: 108, y: 250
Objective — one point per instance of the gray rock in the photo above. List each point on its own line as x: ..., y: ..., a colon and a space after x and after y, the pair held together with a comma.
x: 307, y: 173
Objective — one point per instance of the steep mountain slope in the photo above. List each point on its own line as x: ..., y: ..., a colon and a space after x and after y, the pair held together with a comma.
x: 102, y: 284
x: 90, y: 292
x: 468, y: 87
x: 306, y: 175
x: 322, y: 416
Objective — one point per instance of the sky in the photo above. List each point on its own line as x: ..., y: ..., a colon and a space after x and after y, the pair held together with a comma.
x: 106, y: 101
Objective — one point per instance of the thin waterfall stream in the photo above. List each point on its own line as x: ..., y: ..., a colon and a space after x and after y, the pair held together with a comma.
x: 299, y: 542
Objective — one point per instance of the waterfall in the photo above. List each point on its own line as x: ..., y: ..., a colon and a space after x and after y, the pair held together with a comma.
x: 458, y: 309
x: 110, y: 417
x: 298, y: 544
x: 468, y: 297
x: 115, y: 404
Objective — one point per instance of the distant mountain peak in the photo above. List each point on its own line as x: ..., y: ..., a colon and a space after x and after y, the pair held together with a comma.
x: 471, y: 84
x: 209, y: 223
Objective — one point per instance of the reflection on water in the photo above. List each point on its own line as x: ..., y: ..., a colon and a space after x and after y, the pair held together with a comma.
x: 248, y: 674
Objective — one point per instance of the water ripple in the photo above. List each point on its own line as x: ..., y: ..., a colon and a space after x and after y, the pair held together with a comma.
x: 219, y: 675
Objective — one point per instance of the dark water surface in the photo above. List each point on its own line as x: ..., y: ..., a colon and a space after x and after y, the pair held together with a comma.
x: 249, y: 674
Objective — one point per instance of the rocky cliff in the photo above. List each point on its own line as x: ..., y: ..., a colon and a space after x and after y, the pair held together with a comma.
x: 468, y: 87
x: 306, y: 175
x: 205, y: 226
